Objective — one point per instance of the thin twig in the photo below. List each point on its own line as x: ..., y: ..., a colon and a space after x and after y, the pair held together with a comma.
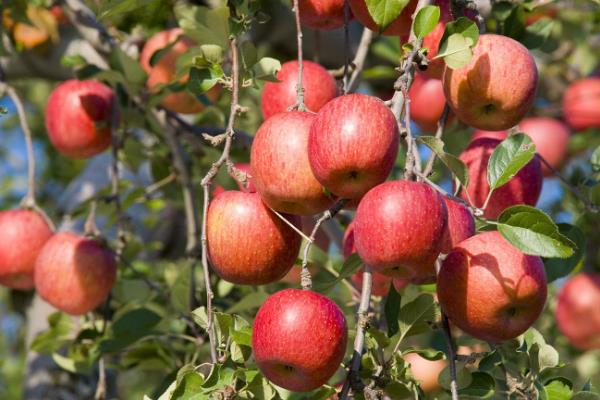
x: 305, y: 278
x: 441, y: 124
x: 300, y: 106
x: 353, y: 379
x: 101, y: 387
x: 345, y: 78
x: 359, y: 59
x: 451, y: 356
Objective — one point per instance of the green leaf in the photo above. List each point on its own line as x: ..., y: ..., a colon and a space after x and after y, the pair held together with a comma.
x: 204, y: 25
x: 392, y: 310
x: 73, y: 60
x: 351, y: 265
x: 595, y: 160
x: 57, y: 334
x: 584, y: 395
x: 387, y: 49
x: 384, y: 12
x: 542, y: 356
x: 537, y: 33
x: 453, y: 163
x: 203, y: 79
x: 465, y: 27
x: 533, y: 232
x: 428, y: 354
x: 481, y: 387
x: 398, y: 390
x: 415, y: 315
x: 130, y: 327
x: 426, y: 20
x: 266, y: 68
x: 160, y: 53
x: 250, y: 301
x: 130, y: 69
x: 514, y: 26
x: 501, y: 10
x: 559, y: 389
x: 464, y: 377
x: 189, y: 387
x: 112, y: 8
x: 558, y: 268
x: 456, y: 51
x: 508, y: 158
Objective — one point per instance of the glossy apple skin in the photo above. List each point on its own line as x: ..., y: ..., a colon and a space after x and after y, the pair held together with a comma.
x: 400, y: 26
x: 581, y: 102
x: 497, y: 88
x: 426, y: 371
x: 461, y: 224
x: 577, y: 311
x: 399, y: 228
x: 319, y: 88
x: 247, y: 243
x: 78, y: 118
x: 23, y: 234
x: 348, y: 152
x: 74, y: 274
x: 164, y: 71
x: 427, y: 102
x: 322, y: 14
x: 523, y: 188
x: 280, y: 168
x: 491, y: 290
x: 299, y: 339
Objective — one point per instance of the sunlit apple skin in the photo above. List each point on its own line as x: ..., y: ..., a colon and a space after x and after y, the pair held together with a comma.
x: 399, y: 228
x: 461, y: 224
x: 497, y: 88
x: 247, y: 243
x: 400, y: 26
x: 577, y: 311
x: 319, y: 88
x: 581, y: 102
x: 425, y: 371
x: 551, y: 139
x: 23, y: 233
x: 523, y: 188
x: 79, y: 118
x: 74, y: 274
x: 353, y: 144
x: 299, y: 339
x: 322, y: 14
x: 280, y: 168
x: 427, y: 102
x: 491, y: 290
x: 164, y: 70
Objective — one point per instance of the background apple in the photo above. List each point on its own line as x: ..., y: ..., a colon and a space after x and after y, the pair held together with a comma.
x: 386, y: 235
x: 73, y: 273
x: 322, y: 14
x: 400, y: 26
x: 491, y: 290
x: 461, y: 224
x: 280, y: 168
x: 523, y: 188
x: 79, y: 118
x: 265, y: 246
x: 348, y: 153
x: 427, y: 102
x: 581, y: 102
x: 319, y: 88
x: 577, y: 312
x: 479, y: 93
x: 299, y: 339
x: 426, y: 371
x: 23, y: 234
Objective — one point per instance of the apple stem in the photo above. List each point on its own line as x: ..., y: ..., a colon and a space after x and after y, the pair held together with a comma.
x: 441, y: 124
x: 300, y: 106
x: 451, y: 356
x: 353, y: 378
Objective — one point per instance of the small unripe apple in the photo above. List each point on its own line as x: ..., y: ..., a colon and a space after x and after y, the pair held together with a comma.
x: 399, y: 27
x: 280, y: 168
x: 577, y: 311
x: 299, y: 339
x: 247, y: 243
x: 491, y: 290
x: 23, y: 233
x: 74, y: 274
x: 79, y: 117
x: 427, y: 102
x: 399, y: 229
x: 322, y: 14
x: 461, y: 224
x: 497, y: 88
x: 426, y: 371
x: 523, y: 188
x: 319, y: 88
x: 348, y: 152
x: 581, y: 102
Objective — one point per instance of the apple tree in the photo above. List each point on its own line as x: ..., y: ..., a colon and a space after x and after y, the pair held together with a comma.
x: 315, y: 199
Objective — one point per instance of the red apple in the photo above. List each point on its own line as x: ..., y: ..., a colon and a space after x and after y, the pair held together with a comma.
x: 577, y: 311
x: 491, y: 290
x: 24, y: 233
x: 427, y: 102
x: 164, y: 70
x: 581, y: 102
x: 247, y: 243
x: 74, y: 274
x: 348, y: 152
x: 319, y: 88
x: 399, y: 229
x: 425, y: 371
x: 461, y: 224
x: 551, y: 138
x: 523, y: 188
x: 496, y: 89
x: 280, y: 168
x: 431, y: 42
x: 322, y: 14
x: 79, y: 118
x: 400, y: 26
x: 480, y: 133
x: 299, y: 339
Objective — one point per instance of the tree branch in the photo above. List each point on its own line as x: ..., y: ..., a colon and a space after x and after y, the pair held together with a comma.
x: 441, y: 124
x: 300, y: 106
x: 359, y: 59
